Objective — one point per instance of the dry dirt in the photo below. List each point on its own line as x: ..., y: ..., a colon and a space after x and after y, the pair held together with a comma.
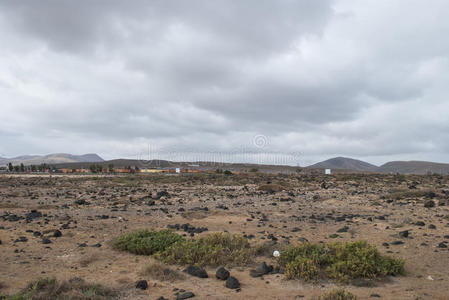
x: 296, y: 207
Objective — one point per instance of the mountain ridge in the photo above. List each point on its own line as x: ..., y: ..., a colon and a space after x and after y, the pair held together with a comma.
x: 53, y: 158
x: 414, y: 167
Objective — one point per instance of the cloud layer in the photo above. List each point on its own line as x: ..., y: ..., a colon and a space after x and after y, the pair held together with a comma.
x: 320, y: 78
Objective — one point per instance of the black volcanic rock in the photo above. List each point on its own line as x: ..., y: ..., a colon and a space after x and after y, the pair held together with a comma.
x: 185, y: 295
x: 142, y: 284
x: 232, y: 283
x: 222, y: 273
x: 196, y: 271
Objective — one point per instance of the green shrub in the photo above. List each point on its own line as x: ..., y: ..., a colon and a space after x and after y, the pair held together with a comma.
x: 336, y: 295
x: 213, y: 250
x: 360, y: 260
x: 302, y: 267
x: 315, y: 252
x: 146, y: 242
x: 341, y: 261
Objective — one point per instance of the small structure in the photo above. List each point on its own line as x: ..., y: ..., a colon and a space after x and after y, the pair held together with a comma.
x: 122, y: 170
x: 327, y: 171
x: 178, y: 170
x: 150, y: 171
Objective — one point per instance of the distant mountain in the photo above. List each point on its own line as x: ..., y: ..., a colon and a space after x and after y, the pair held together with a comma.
x: 414, y: 167
x: 344, y: 163
x: 55, y: 158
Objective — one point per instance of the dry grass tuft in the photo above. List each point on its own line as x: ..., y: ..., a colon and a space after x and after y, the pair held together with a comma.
x: 270, y: 188
x: 74, y: 289
x: 87, y: 259
x: 337, y: 295
x: 156, y: 270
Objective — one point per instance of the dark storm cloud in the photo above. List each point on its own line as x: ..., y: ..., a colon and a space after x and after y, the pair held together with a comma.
x: 318, y: 77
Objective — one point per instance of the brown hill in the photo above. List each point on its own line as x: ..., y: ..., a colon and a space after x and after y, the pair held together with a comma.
x: 344, y: 163
x: 414, y: 167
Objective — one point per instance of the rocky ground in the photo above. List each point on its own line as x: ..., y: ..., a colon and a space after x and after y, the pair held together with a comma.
x: 61, y: 226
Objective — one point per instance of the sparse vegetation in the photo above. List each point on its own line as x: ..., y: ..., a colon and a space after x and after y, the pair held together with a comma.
x: 156, y: 270
x: 88, y: 259
x: 213, y: 250
x: 403, y: 194
x: 270, y: 188
x: 339, y: 294
x: 145, y: 242
x: 75, y: 289
x: 341, y: 261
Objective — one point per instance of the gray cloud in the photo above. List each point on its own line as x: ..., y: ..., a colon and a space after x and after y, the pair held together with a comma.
x: 322, y: 78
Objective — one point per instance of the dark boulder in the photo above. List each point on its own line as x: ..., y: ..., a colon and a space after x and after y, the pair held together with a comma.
x: 142, y: 284
x: 404, y: 233
x: 429, y: 204
x: 222, y: 273
x: 196, y: 271
x: 186, y: 295
x: 232, y: 283
x: 261, y: 270
x: 34, y: 214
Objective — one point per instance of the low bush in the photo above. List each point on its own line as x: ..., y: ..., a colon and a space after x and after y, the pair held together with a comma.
x: 50, y: 288
x: 213, y: 250
x: 341, y: 261
x: 339, y: 294
x: 145, y: 242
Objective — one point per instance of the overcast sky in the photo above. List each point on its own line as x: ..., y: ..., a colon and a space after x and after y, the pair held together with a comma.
x: 316, y: 79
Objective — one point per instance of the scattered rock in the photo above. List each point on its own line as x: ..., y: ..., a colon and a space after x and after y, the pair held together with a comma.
x: 397, y: 243
x: 261, y: 270
x: 344, y: 229
x: 142, y: 284
x: 404, y: 233
x: 429, y: 203
x: 161, y: 194
x: 34, y: 214
x: 81, y: 202
x: 186, y: 295
x: 442, y: 245
x: 21, y: 239
x: 232, y: 283
x: 222, y: 273
x: 196, y: 271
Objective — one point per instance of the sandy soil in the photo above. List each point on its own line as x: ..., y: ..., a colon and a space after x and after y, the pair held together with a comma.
x: 374, y: 207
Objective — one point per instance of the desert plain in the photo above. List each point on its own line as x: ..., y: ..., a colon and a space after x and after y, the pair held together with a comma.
x: 63, y: 227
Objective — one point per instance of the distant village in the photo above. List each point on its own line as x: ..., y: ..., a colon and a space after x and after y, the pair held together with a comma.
x: 100, y: 169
